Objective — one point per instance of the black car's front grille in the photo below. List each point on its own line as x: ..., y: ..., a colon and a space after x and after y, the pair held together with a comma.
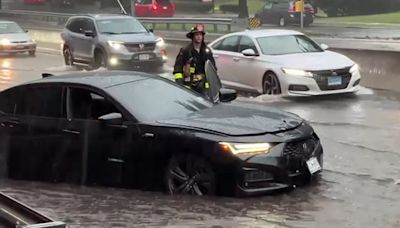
x: 140, y: 47
x: 321, y: 77
x: 301, y: 150
x: 19, y: 42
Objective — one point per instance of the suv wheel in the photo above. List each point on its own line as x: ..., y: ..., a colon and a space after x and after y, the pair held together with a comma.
x: 282, y: 22
x: 68, y: 57
x: 100, y: 60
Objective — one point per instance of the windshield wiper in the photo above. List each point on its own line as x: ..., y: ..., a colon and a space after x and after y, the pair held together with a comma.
x: 131, y: 32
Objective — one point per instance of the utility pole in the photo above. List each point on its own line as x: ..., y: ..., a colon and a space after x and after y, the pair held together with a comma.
x: 243, y: 9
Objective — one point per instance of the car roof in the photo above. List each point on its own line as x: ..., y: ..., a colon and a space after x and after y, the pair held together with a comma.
x: 99, y: 79
x: 103, y: 16
x: 267, y: 32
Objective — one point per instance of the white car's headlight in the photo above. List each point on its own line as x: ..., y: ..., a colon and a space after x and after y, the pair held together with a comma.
x: 245, y: 148
x: 355, y: 68
x: 160, y: 42
x: 297, y: 72
x: 5, y: 42
x: 117, y: 45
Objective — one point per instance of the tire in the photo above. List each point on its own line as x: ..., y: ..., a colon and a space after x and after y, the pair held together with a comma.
x: 68, y: 59
x: 100, y: 60
x: 32, y: 53
x: 271, y: 85
x: 189, y: 174
x: 282, y: 22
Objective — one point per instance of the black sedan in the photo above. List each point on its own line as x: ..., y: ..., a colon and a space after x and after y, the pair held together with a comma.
x: 142, y: 131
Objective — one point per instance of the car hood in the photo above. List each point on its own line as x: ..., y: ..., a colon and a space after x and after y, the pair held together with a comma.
x: 133, y: 38
x: 326, y: 60
x: 239, y: 119
x: 16, y: 36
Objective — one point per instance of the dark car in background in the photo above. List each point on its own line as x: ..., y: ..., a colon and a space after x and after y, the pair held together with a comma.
x: 283, y: 12
x: 111, y: 41
x: 138, y: 130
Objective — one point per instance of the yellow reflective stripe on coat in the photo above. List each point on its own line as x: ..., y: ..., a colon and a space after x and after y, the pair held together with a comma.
x: 192, y: 70
x: 187, y: 86
x: 206, y: 85
x: 178, y: 75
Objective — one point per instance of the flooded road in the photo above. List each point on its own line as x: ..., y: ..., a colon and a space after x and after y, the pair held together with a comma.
x: 360, y: 186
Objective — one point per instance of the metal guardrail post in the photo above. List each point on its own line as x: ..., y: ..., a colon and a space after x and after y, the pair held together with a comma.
x: 229, y: 28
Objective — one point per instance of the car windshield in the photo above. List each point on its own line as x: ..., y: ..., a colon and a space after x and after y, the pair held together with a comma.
x: 10, y: 27
x: 155, y: 99
x: 287, y: 44
x: 120, y: 26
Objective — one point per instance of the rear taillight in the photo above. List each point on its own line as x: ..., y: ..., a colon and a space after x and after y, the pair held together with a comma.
x: 155, y: 7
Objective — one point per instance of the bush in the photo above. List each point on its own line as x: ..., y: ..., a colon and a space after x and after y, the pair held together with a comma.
x: 357, y: 7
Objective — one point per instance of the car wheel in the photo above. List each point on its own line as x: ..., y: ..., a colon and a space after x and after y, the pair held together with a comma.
x: 282, y: 22
x: 32, y: 53
x: 190, y: 174
x: 68, y: 59
x: 100, y: 60
x: 271, y: 84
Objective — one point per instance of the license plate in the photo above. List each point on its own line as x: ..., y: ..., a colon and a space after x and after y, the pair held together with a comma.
x: 144, y: 57
x: 334, y: 80
x: 20, y: 47
x: 313, y: 165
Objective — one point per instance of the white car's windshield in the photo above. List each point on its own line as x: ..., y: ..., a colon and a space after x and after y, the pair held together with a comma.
x: 287, y: 44
x: 10, y: 27
x: 155, y: 99
x: 120, y: 26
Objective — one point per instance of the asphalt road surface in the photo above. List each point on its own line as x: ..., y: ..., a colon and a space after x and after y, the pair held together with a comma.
x: 360, y: 186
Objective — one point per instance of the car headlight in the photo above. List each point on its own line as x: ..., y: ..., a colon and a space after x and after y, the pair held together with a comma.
x: 354, y: 68
x: 160, y: 42
x: 245, y: 148
x: 5, y: 42
x: 117, y: 45
x: 297, y: 72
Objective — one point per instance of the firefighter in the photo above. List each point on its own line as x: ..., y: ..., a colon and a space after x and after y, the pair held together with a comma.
x: 189, y: 69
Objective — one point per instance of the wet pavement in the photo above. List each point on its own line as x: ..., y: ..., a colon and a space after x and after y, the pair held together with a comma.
x: 360, y: 186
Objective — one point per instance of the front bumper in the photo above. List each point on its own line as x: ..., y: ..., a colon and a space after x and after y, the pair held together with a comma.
x: 312, y: 86
x: 264, y: 174
x: 17, y: 48
x: 126, y: 58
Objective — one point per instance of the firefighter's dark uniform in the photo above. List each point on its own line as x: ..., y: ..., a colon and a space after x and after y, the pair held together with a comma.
x: 188, y: 55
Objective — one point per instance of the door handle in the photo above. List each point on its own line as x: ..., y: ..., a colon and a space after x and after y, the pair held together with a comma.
x: 236, y: 59
x: 71, y: 132
x: 148, y: 135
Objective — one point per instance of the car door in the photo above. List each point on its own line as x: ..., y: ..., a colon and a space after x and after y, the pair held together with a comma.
x: 79, y: 43
x: 225, y: 54
x: 86, y: 43
x: 40, y: 109
x: 248, y: 79
x: 267, y: 14
x: 97, y: 148
x: 13, y: 133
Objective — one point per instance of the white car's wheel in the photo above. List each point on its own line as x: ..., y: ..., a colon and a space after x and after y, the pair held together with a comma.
x: 271, y: 85
x: 282, y: 22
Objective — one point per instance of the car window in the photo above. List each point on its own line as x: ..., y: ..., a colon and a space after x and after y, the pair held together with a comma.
x: 76, y: 25
x: 247, y: 43
x: 10, y: 27
x: 86, y: 104
x: 155, y: 99
x: 120, y: 26
x: 88, y: 25
x: 268, y: 5
x: 41, y: 101
x: 287, y: 44
x: 228, y: 44
x: 8, y: 101
x: 145, y: 1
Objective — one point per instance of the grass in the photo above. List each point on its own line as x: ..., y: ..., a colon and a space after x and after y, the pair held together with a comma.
x: 387, y: 18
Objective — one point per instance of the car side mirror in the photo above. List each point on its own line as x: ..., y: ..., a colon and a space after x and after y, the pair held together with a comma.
x: 227, y: 95
x: 26, y: 31
x: 112, y: 119
x: 89, y: 33
x: 151, y: 30
x: 249, y: 52
x: 324, y: 46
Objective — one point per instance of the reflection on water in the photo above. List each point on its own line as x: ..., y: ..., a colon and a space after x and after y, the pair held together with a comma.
x: 6, y: 73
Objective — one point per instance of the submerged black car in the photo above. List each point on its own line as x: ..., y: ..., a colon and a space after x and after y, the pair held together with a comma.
x: 142, y: 131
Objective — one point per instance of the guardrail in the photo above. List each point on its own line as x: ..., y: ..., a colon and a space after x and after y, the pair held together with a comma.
x: 162, y: 23
x: 16, y: 214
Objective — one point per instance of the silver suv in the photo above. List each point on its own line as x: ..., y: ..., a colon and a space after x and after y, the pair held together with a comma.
x: 111, y: 41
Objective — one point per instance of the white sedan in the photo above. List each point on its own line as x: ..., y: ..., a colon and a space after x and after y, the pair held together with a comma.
x: 282, y: 62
